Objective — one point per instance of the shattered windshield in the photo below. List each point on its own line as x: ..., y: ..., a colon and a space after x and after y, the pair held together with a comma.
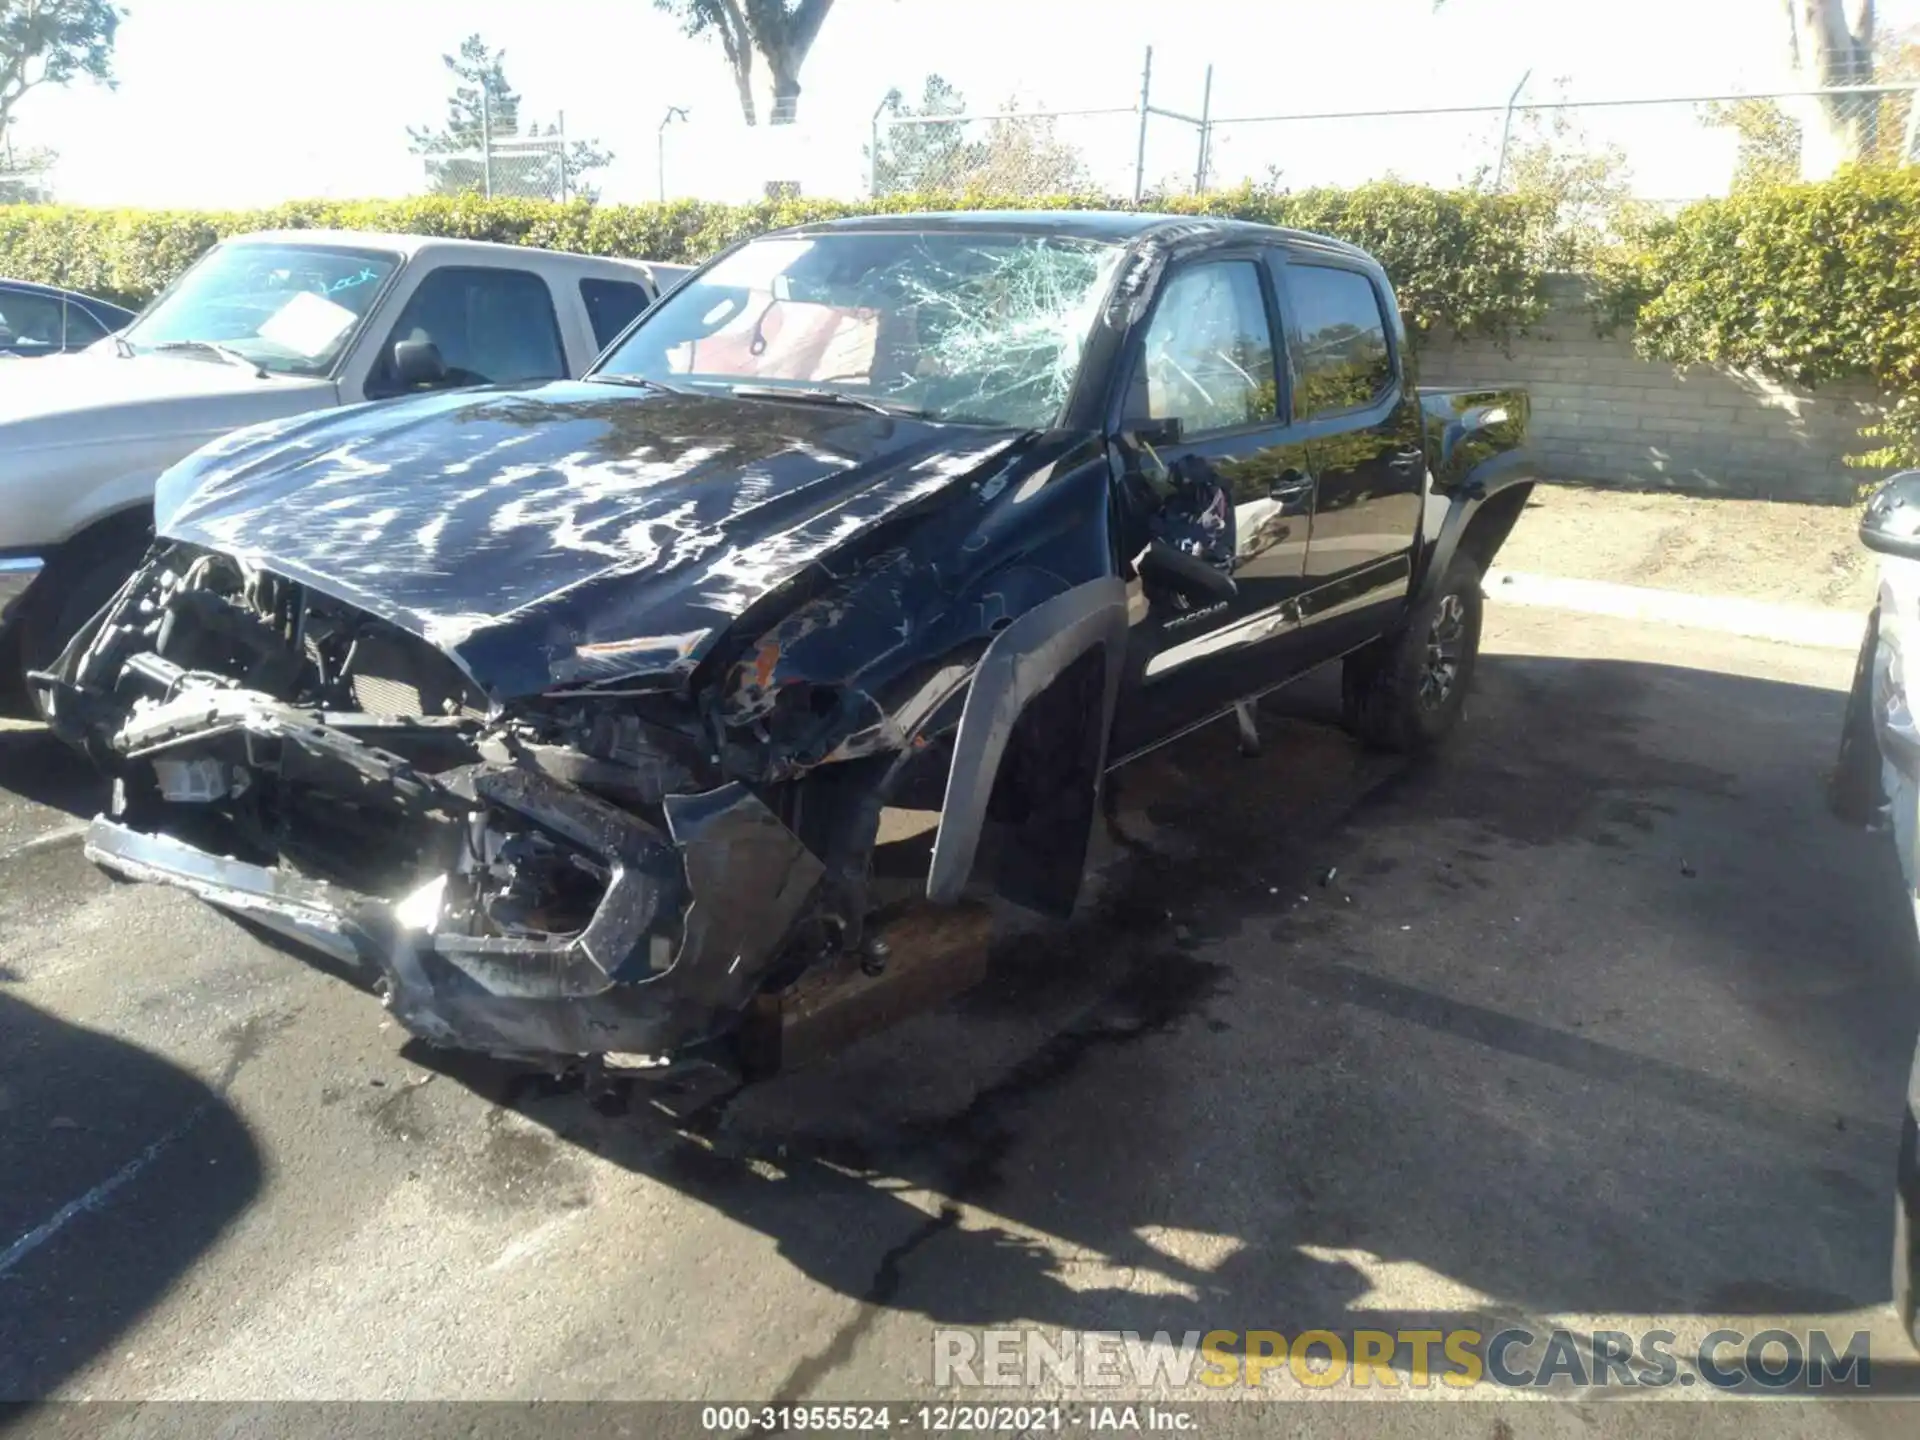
x: 290, y: 309
x: 981, y: 327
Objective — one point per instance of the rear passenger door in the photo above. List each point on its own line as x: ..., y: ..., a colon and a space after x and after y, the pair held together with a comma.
x: 1355, y: 407
x: 491, y: 325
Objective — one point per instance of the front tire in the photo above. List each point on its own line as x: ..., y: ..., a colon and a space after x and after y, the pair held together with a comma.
x: 1405, y: 692
x: 70, y: 591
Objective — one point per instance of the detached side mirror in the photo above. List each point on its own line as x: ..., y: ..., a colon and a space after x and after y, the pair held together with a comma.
x: 1185, y: 574
x: 417, y: 365
x: 1891, y: 523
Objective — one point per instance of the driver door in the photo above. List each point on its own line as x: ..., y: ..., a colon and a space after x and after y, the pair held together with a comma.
x: 1209, y: 358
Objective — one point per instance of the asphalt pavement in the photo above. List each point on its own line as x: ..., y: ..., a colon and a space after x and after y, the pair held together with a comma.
x: 1598, y: 1019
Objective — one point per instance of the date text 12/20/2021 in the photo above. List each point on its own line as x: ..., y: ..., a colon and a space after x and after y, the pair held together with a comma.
x: 943, y: 1419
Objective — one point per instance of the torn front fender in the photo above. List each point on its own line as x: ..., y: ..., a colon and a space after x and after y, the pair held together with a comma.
x: 1021, y: 663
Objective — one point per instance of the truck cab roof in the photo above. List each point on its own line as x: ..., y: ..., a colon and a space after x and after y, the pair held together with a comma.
x: 442, y: 250
x: 1110, y: 226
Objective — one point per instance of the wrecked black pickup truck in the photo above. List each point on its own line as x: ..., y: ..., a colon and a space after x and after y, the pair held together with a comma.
x: 572, y: 711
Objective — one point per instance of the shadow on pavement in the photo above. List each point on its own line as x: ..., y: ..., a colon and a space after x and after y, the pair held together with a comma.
x: 120, y: 1171
x: 39, y: 768
x: 1598, y: 1013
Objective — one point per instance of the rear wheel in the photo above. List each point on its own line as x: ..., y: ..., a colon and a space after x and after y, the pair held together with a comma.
x: 1405, y: 692
x: 1853, y: 789
x: 80, y: 579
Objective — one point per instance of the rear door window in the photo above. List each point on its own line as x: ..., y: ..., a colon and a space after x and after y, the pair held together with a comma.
x: 1341, y: 353
x: 611, y: 307
x: 491, y: 327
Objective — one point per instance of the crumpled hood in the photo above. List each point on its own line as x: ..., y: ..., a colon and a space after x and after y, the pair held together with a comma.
x: 99, y: 395
x: 571, y: 533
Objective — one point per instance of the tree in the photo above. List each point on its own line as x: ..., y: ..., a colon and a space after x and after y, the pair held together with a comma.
x: 482, y: 104
x: 1023, y: 155
x: 1578, y: 192
x: 916, y: 156
x: 774, y: 33
x: 52, y: 42
x: 1769, y: 140
x: 1831, y: 44
x: 484, y: 111
x: 1018, y: 155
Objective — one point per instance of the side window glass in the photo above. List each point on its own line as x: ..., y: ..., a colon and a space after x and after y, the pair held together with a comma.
x: 490, y: 327
x: 1208, y: 358
x: 82, y: 328
x: 1343, y: 358
x: 611, y: 305
x: 29, y: 324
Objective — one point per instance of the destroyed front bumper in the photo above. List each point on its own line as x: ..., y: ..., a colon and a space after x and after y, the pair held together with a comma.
x: 689, y: 924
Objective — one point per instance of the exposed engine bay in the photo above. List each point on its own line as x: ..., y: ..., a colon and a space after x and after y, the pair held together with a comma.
x: 522, y: 877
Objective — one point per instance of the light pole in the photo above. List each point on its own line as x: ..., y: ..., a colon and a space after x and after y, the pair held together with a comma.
x: 674, y: 112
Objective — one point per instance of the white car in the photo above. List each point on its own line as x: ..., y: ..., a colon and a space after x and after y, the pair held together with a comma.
x: 261, y: 328
x: 1877, y: 782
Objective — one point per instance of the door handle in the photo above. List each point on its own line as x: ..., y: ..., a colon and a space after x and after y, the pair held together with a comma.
x: 1294, y: 491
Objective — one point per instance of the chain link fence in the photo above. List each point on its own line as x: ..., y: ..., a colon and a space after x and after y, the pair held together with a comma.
x: 1589, y: 155
x: 535, y: 165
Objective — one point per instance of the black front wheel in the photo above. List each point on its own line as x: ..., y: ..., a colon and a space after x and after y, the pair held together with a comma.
x: 1405, y: 692
x: 70, y: 591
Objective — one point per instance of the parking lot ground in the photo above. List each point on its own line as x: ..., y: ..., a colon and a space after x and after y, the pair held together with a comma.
x: 1599, y: 1019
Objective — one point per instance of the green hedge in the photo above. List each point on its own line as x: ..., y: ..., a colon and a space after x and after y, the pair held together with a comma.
x: 1804, y: 282
x: 1458, y: 258
x: 1801, y: 282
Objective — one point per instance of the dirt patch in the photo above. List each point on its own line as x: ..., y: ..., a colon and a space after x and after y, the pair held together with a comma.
x: 1757, y: 549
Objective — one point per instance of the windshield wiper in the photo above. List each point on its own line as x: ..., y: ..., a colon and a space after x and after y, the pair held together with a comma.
x: 213, y: 347
x: 122, y: 347
x: 638, y: 382
x: 817, y: 395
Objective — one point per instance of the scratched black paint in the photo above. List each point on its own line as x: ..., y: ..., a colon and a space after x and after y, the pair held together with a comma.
x: 824, y: 591
x: 573, y: 533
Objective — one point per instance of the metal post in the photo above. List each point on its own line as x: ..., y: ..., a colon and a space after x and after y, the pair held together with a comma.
x: 674, y: 112
x: 873, y: 153
x: 486, y: 141
x: 1506, y: 131
x: 1206, y: 135
x: 1140, y: 153
x: 562, y: 129
x: 1913, y: 127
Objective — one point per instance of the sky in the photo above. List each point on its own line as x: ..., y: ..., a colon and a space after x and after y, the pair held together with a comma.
x: 243, y: 102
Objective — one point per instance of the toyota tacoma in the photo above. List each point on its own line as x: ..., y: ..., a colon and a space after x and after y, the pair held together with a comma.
x: 573, y: 711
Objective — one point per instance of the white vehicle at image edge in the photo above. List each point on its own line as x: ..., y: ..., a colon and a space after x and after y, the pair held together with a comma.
x: 262, y: 328
x: 1877, y: 783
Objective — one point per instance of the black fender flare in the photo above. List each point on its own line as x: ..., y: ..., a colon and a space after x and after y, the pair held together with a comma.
x: 1491, y: 478
x: 1018, y: 665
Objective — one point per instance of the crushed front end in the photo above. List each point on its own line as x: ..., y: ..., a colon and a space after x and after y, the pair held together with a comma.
x: 548, y: 881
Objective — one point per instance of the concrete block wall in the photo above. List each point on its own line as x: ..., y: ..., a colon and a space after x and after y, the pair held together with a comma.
x: 1602, y: 415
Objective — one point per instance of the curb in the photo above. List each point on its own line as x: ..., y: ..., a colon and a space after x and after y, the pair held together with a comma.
x: 1757, y: 619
